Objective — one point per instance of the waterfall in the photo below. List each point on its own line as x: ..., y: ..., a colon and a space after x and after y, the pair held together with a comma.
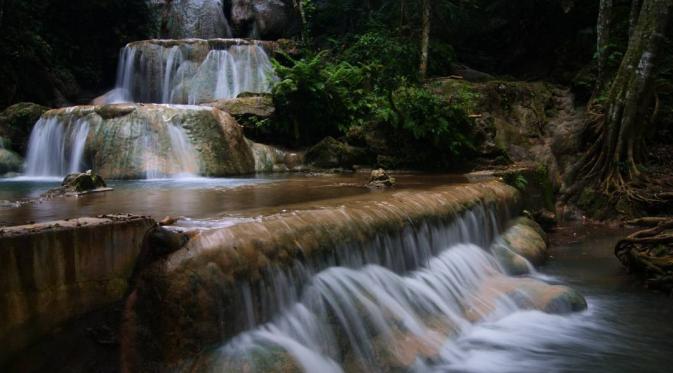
x: 151, y: 147
x: 190, y: 72
x: 56, y: 148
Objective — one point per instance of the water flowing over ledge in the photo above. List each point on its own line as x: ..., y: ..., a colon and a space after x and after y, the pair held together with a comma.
x: 191, y: 71
x: 145, y: 141
x: 227, y: 281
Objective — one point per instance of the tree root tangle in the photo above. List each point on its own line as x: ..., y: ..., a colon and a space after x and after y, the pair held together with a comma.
x: 649, y: 252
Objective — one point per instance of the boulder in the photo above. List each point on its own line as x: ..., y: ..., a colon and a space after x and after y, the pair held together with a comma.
x: 526, y: 238
x: 379, y: 179
x: 82, y: 182
x: 16, y: 123
x: 331, y: 153
x: 183, y: 19
x: 263, y: 19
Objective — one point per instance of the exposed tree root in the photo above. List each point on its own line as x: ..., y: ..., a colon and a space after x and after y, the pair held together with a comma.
x: 649, y: 253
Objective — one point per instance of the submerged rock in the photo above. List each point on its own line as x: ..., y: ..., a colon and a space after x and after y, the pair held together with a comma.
x: 526, y: 293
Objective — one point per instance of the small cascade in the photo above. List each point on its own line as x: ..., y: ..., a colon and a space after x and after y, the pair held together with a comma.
x: 369, y: 310
x: 388, y: 284
x: 191, y: 71
x: 56, y: 148
x: 145, y: 146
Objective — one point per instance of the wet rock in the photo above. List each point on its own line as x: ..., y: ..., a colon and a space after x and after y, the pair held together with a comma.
x: 526, y: 238
x: 512, y: 263
x: 168, y: 220
x: 54, y: 272
x: 526, y: 293
x: 258, y: 106
x: 83, y: 182
x: 273, y: 159
x: 331, y: 153
x: 379, y: 179
x: 114, y: 111
x: 182, y: 19
x: 16, y: 123
x: 263, y: 19
x: 545, y: 218
x: 78, y: 183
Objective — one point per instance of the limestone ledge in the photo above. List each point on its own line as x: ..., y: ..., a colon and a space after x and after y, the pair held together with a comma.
x: 53, y: 272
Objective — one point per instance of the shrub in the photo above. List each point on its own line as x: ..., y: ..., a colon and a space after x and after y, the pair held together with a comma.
x: 315, y: 98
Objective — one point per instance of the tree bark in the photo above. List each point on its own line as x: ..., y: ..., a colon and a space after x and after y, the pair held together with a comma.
x: 603, y: 32
x: 633, y: 17
x: 425, y: 38
x: 612, y: 158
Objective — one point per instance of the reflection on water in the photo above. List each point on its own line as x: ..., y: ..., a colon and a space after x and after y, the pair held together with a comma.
x: 197, y: 198
x: 632, y: 329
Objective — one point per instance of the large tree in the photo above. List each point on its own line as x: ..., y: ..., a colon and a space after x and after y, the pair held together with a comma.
x: 621, y: 114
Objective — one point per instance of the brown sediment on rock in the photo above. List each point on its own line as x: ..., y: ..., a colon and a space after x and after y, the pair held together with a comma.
x: 57, y: 271
x: 195, y: 287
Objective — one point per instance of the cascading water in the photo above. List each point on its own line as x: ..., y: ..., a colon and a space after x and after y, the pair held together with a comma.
x: 370, y: 311
x: 190, y: 72
x: 151, y: 146
x: 56, y: 148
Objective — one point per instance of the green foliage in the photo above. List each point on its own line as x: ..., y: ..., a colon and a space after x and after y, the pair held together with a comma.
x: 394, y: 58
x: 421, y: 114
x: 315, y: 98
x: 320, y: 96
x: 516, y: 180
x: 50, y: 49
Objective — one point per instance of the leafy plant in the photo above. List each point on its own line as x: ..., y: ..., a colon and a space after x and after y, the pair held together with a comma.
x: 315, y: 98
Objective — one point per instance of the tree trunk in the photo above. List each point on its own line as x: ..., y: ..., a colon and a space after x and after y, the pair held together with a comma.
x: 603, y: 32
x: 633, y: 17
x: 612, y: 158
x: 425, y: 38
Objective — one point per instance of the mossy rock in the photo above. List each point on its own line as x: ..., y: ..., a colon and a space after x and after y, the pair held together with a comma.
x: 9, y: 161
x: 83, y: 182
x: 16, y: 124
x: 526, y: 238
x: 331, y: 153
